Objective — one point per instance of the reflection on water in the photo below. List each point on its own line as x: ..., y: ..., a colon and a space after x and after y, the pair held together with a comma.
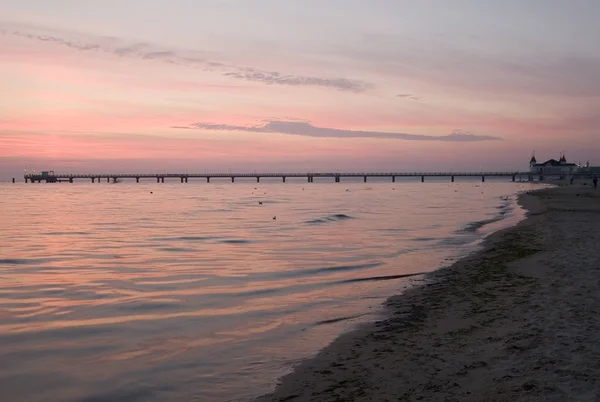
x: 195, y: 292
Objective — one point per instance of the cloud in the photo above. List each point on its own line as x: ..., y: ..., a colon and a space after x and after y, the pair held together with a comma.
x: 192, y: 59
x: 308, y: 130
x: 408, y: 96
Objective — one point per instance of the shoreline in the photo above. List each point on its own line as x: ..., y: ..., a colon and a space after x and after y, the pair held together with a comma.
x: 493, y: 326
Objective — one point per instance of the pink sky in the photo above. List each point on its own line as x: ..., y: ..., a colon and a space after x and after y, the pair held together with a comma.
x: 309, y: 91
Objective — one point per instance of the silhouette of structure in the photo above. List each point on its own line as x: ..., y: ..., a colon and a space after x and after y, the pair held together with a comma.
x: 51, y: 177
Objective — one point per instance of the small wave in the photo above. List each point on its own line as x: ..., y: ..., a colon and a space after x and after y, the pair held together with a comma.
x: 67, y: 233
x: 27, y: 261
x: 14, y: 261
x: 330, y: 218
x: 456, y: 241
x: 504, y: 209
x: 475, y: 226
x: 235, y: 241
x: 186, y: 238
x: 339, y: 319
x: 176, y: 249
x: 379, y: 278
x: 424, y: 239
x: 326, y: 270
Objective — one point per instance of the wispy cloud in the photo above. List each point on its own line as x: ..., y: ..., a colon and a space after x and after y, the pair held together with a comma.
x: 193, y: 59
x: 308, y: 130
x: 408, y: 96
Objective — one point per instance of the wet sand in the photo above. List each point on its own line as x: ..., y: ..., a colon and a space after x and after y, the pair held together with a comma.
x: 518, y: 321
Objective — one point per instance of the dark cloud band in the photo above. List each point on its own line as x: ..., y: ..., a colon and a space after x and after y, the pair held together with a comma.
x: 308, y: 130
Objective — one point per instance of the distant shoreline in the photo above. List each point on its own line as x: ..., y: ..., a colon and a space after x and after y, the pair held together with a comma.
x: 497, y: 325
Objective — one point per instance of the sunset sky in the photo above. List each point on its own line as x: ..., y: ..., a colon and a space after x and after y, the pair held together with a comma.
x: 346, y: 85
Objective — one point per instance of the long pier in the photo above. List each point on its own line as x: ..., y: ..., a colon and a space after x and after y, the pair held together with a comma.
x: 50, y: 177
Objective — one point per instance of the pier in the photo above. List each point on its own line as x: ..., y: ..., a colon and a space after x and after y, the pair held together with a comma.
x: 51, y: 177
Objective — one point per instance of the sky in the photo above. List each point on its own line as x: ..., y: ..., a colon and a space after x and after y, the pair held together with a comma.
x: 290, y: 85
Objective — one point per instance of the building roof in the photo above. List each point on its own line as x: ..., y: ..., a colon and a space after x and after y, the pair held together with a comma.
x: 554, y: 162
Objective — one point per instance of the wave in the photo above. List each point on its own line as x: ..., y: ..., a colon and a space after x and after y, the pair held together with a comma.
x: 339, y: 319
x: 329, y: 218
x: 28, y: 261
x: 186, y: 238
x: 505, y: 209
x: 425, y: 239
x: 235, y: 241
x: 379, y: 278
x: 475, y: 226
x: 66, y: 233
x: 325, y: 270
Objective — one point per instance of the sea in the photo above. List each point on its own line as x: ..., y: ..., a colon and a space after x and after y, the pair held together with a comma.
x: 212, y: 291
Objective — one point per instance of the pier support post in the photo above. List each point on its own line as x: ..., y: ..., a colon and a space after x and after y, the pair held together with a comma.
x: 186, y: 179
x: 483, y: 179
x: 365, y: 179
x: 181, y: 179
x: 514, y: 178
x: 13, y: 179
x: 137, y: 179
x: 257, y: 179
x: 108, y: 179
x: 158, y: 179
x: 422, y: 179
x: 284, y: 179
x: 162, y: 179
x: 393, y: 179
x: 232, y: 179
x: 70, y: 180
x: 208, y: 179
x: 26, y: 180
x: 93, y: 179
x: 452, y: 178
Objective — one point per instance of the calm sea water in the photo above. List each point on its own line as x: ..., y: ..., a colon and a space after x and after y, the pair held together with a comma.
x: 198, y: 292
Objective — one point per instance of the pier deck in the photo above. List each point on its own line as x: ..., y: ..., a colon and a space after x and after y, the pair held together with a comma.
x: 337, y: 177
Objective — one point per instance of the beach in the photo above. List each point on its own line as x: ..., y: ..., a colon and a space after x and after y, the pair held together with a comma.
x: 516, y: 321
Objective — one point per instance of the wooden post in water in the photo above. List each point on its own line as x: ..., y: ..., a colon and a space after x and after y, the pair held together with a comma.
x: 422, y: 179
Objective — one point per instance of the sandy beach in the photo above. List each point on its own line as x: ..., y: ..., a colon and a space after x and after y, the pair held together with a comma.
x: 517, y: 321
